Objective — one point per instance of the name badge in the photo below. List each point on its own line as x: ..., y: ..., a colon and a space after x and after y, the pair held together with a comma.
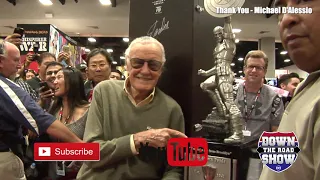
x: 60, y: 169
x: 246, y: 133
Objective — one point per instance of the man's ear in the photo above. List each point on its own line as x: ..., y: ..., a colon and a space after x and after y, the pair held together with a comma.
x: 282, y: 86
x: 163, y: 69
x: 1, y: 61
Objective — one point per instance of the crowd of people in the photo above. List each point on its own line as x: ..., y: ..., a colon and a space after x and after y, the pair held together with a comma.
x: 85, y: 103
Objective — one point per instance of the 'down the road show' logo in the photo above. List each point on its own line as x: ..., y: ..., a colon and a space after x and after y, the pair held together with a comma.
x: 278, y: 150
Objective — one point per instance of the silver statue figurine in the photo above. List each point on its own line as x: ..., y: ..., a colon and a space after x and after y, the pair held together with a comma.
x: 219, y: 85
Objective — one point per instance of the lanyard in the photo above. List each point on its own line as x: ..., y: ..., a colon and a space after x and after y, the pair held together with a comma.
x: 246, y: 111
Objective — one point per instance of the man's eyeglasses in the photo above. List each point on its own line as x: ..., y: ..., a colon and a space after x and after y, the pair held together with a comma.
x: 258, y: 68
x: 52, y: 73
x: 95, y: 66
x: 152, y: 64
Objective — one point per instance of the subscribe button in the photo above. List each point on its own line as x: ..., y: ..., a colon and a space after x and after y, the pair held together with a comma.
x: 66, y: 152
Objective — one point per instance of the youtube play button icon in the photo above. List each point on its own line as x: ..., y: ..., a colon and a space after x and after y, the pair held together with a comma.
x: 44, y: 151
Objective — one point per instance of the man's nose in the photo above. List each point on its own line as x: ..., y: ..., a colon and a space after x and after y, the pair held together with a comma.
x: 55, y: 81
x: 98, y: 69
x: 289, y: 19
x: 145, y: 68
x: 19, y: 66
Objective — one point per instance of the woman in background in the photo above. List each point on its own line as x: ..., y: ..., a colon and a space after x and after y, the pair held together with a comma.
x: 30, y: 74
x: 70, y: 107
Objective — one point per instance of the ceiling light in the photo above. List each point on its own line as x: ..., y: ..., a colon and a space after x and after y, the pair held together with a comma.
x: 240, y: 71
x: 232, y: 64
x: 122, y: 57
x: 92, y: 39
x: 87, y: 50
x: 236, y: 30
x: 283, y: 52
x: 109, y: 50
x: 105, y: 2
x: 287, y: 60
x: 63, y: 2
x: 46, y: 2
x: 114, y: 62
x: 240, y: 59
x: 125, y: 39
x: 48, y: 15
x: 237, y: 40
x: 12, y: 2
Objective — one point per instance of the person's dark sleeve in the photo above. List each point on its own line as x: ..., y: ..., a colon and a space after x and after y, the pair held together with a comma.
x: 23, y: 109
x: 34, y: 83
x: 25, y: 86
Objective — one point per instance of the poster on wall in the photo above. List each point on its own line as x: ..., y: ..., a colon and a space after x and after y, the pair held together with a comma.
x: 54, y: 41
x: 60, y: 42
x: 49, y: 39
x: 34, y: 34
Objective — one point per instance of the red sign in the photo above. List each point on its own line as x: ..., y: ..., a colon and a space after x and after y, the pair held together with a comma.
x: 66, y: 152
x: 187, y: 152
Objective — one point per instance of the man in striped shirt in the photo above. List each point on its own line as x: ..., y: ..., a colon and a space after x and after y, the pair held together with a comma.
x: 17, y: 108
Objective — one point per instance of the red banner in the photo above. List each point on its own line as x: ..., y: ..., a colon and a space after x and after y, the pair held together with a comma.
x: 66, y: 152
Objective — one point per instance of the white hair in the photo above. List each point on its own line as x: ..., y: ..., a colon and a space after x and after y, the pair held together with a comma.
x: 145, y: 40
x: 3, y: 47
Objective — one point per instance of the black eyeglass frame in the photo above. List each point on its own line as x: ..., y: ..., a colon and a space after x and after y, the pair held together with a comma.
x: 150, y: 63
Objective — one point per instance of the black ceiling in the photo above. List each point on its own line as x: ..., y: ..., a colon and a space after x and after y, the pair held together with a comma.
x: 243, y: 47
x: 115, y: 43
x: 280, y: 58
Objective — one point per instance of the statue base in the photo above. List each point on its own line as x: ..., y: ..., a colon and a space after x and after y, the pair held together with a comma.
x: 230, y: 161
x: 215, y: 127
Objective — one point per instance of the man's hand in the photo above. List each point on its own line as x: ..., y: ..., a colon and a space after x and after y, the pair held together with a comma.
x: 156, y: 137
x: 64, y: 56
x: 32, y: 135
x: 14, y: 39
x: 46, y: 94
x: 202, y: 72
x: 29, y: 60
